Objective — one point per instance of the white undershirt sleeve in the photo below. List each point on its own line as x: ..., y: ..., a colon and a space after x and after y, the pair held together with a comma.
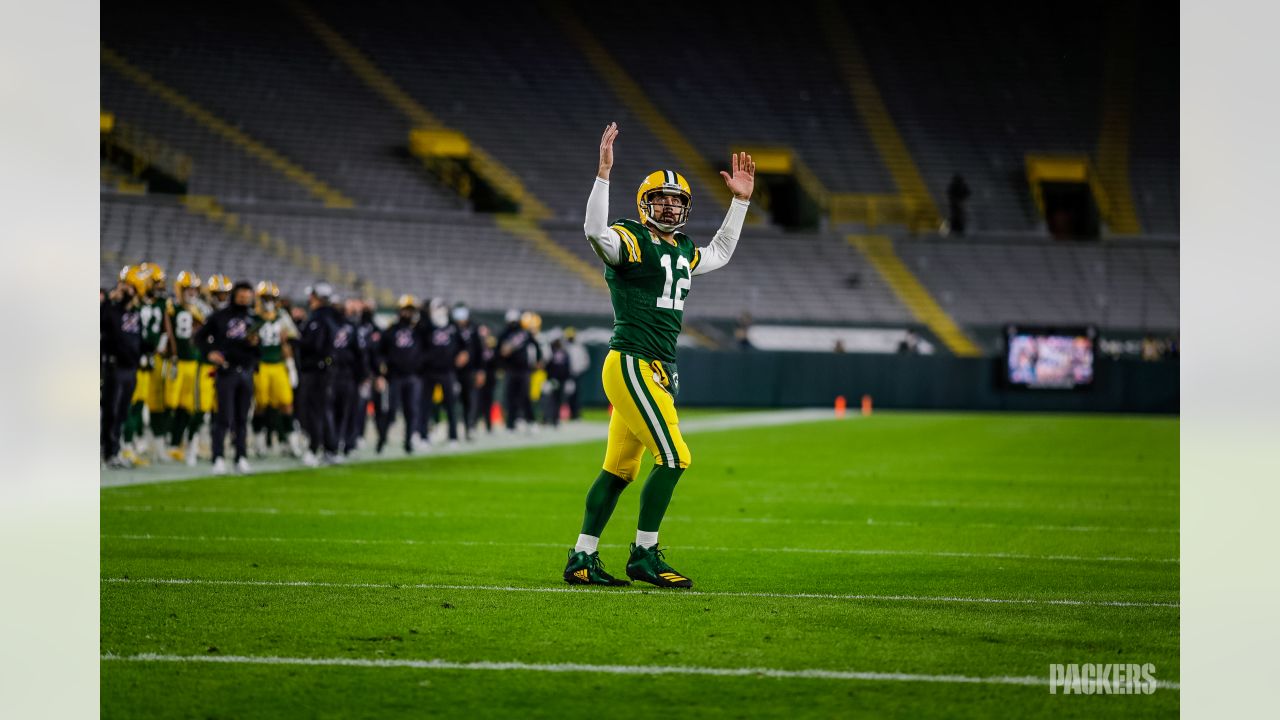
x: 716, y: 255
x: 604, y: 239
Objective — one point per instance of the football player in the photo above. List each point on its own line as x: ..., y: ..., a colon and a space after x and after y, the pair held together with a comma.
x: 273, y: 382
x: 149, y: 391
x: 188, y: 395
x: 649, y: 265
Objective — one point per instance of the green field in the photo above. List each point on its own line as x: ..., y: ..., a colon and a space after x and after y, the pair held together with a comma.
x: 977, y: 545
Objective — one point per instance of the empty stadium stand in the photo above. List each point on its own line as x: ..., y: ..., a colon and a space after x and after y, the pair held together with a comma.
x: 285, y: 133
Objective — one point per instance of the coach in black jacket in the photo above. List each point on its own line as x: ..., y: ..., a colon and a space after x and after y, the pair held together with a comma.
x: 229, y: 341
x: 120, y: 339
x: 315, y: 374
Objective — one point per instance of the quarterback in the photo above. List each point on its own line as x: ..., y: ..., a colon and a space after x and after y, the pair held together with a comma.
x: 649, y: 265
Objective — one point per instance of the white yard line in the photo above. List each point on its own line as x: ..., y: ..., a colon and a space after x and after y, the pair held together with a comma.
x: 630, y: 593
x: 869, y: 522
x: 508, y: 666
x: 566, y: 434
x: 814, y: 551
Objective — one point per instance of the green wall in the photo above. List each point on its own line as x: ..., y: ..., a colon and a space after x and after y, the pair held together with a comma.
x: 791, y: 379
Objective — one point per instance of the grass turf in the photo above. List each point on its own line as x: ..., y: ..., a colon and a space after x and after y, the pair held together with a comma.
x: 1027, y: 507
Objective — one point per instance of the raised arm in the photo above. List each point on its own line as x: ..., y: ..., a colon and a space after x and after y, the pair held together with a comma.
x: 741, y: 183
x: 604, y: 240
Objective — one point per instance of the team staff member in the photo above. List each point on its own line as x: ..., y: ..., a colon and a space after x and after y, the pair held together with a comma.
x: 400, y: 353
x: 120, y: 338
x: 349, y: 373
x: 368, y: 334
x: 442, y: 355
x: 579, y: 363
x: 471, y: 372
x: 519, y: 354
x: 229, y: 341
x: 487, y: 376
x: 315, y: 375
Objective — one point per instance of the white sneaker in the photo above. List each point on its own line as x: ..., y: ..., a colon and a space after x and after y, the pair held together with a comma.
x: 453, y: 444
x: 310, y: 460
x: 219, y: 467
x: 260, y: 444
x: 295, y: 444
x: 242, y: 466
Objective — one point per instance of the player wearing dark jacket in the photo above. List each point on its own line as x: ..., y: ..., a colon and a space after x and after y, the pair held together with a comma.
x: 349, y: 372
x: 471, y: 374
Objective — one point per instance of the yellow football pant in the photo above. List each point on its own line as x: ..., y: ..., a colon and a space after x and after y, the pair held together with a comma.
x: 151, y: 386
x: 191, y: 389
x: 644, y: 416
x: 271, y: 388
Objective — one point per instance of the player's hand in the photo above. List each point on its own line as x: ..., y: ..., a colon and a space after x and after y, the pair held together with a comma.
x: 743, y: 179
x: 380, y: 384
x: 216, y: 358
x: 606, y: 150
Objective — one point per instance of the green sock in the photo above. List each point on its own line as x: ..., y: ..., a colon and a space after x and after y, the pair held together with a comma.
x: 602, y: 498
x: 133, y: 422
x: 197, y: 419
x: 178, y: 426
x: 284, y: 426
x: 160, y: 423
x: 259, y: 422
x: 656, y: 495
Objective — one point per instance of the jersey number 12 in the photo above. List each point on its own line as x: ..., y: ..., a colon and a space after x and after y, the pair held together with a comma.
x: 668, y: 299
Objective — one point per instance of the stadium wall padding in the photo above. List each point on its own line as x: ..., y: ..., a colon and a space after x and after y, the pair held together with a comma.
x: 934, y: 382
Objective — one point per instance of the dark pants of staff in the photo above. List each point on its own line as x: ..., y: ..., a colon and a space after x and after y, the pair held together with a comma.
x: 552, y: 400
x: 467, y: 398
x: 235, y: 391
x: 406, y: 398
x: 485, y: 401
x: 519, y: 404
x: 317, y: 398
x: 346, y: 404
x: 117, y: 390
x: 573, y: 389
x: 449, y: 396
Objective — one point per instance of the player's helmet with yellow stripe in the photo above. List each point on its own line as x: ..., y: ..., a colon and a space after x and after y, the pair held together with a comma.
x: 186, y: 279
x: 531, y: 321
x: 155, y: 276
x: 659, y: 183
x: 135, y: 277
x: 268, y: 290
x: 218, y: 283
x: 407, y: 301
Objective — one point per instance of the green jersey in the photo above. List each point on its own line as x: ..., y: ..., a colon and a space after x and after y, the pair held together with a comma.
x: 152, y: 313
x: 272, y: 334
x: 648, y: 287
x: 185, y: 319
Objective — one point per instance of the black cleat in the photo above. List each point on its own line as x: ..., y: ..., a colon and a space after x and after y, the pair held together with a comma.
x: 586, y: 569
x: 648, y: 565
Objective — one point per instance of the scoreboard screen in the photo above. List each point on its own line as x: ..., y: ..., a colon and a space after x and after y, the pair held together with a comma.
x: 1049, y: 358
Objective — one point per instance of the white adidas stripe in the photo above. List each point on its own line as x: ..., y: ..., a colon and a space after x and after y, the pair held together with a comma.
x: 437, y: 664
x: 491, y: 543
x: 622, y: 592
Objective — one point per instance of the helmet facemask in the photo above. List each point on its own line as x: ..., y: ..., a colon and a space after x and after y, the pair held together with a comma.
x: 653, y: 210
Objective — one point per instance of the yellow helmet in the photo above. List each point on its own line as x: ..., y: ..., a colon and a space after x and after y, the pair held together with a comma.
x: 659, y: 183
x: 135, y: 277
x: 186, y: 279
x: 218, y: 283
x: 531, y: 321
x: 407, y: 301
x: 268, y: 289
x: 155, y: 275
